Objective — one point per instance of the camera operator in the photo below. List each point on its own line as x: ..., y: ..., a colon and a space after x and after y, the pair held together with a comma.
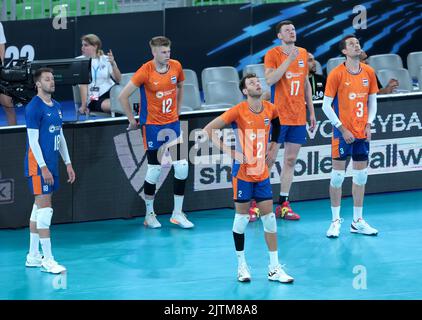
x: 5, y: 100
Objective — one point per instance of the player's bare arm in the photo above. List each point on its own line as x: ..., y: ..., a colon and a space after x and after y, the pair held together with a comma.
x: 124, y: 101
x: 272, y: 76
x: 179, y: 96
x: 310, y: 105
x: 272, y: 152
x: 211, y: 129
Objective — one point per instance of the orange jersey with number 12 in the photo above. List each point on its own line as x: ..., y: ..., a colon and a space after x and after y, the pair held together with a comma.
x: 158, y: 92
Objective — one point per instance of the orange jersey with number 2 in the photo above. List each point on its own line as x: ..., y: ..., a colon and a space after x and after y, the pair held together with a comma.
x: 252, y: 133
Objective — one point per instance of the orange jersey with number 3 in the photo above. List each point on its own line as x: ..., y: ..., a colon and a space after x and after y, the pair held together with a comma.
x: 288, y: 94
x: 350, y: 93
x: 158, y: 92
x: 252, y: 133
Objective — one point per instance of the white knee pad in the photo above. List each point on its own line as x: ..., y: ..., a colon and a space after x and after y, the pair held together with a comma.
x: 44, y: 216
x: 360, y: 177
x: 269, y: 222
x: 33, y: 217
x: 181, y: 169
x: 240, y: 223
x: 153, y: 173
x: 337, y: 178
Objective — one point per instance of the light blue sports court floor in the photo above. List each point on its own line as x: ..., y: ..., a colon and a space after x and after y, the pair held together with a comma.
x: 120, y: 259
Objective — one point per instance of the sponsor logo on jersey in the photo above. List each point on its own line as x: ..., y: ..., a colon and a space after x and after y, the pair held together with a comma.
x: 52, y: 128
x: 290, y: 75
x: 159, y: 94
x: 352, y: 96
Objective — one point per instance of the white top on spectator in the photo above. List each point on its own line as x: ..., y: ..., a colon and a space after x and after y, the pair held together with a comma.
x: 101, y: 71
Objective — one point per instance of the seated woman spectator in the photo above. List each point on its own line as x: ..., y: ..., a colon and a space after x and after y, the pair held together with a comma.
x: 105, y: 73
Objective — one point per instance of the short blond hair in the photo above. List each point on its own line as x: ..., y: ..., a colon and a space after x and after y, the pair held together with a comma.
x: 160, y: 41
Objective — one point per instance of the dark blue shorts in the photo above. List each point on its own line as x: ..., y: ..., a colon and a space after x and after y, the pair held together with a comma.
x: 359, y: 149
x: 38, y: 186
x: 244, y: 191
x: 154, y: 136
x: 292, y: 134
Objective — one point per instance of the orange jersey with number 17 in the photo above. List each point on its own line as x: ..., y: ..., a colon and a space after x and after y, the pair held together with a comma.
x: 288, y: 94
x: 158, y: 92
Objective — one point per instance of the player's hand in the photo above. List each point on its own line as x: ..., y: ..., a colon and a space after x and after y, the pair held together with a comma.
x: 293, y: 54
x: 47, y: 176
x: 133, y: 125
x: 110, y: 57
x: 368, y: 132
x: 392, y: 85
x: 70, y: 173
x: 271, y: 155
x: 312, y: 124
x: 347, y: 135
x: 83, y: 110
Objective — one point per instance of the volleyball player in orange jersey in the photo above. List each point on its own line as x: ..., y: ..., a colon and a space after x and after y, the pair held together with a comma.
x: 350, y: 102
x: 286, y: 71
x: 251, y: 121
x: 160, y: 82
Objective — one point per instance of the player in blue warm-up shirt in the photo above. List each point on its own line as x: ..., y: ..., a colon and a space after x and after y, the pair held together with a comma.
x: 45, y: 142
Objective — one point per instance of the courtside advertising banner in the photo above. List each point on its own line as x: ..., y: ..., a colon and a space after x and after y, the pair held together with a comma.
x: 396, y: 147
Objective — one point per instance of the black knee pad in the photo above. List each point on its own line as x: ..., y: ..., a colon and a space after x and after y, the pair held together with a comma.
x: 179, y: 187
x: 149, y: 189
x: 239, y: 241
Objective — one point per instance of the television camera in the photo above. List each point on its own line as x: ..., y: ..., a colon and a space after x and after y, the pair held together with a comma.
x: 16, y: 78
